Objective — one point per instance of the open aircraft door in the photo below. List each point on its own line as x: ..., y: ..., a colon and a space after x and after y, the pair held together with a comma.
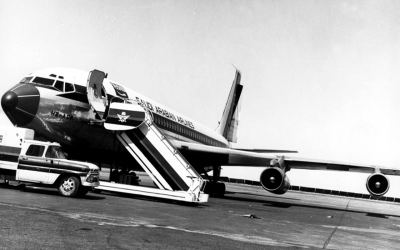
x: 96, y: 95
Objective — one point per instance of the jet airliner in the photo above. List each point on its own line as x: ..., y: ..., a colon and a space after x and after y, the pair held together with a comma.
x: 72, y: 107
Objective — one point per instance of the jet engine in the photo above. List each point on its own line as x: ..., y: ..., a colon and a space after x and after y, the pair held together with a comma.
x: 377, y: 184
x: 274, y: 180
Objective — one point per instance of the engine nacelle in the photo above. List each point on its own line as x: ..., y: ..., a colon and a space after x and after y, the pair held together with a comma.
x: 377, y: 184
x: 275, y: 180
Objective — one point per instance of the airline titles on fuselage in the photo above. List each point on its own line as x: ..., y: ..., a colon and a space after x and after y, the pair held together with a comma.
x: 165, y: 113
x: 120, y: 91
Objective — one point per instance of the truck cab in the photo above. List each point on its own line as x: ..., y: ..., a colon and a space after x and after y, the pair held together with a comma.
x: 26, y: 160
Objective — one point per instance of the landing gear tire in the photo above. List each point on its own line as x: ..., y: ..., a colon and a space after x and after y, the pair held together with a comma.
x: 209, y: 188
x: 215, y: 189
x: 219, y: 189
x: 69, y: 186
x: 7, y: 182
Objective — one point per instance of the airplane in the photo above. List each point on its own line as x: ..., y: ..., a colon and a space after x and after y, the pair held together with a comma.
x: 72, y: 107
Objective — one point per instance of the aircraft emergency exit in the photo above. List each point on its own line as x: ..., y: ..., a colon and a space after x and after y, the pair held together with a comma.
x: 99, y: 120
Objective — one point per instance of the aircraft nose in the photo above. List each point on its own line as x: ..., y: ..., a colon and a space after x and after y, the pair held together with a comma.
x: 21, y: 103
x: 9, y: 101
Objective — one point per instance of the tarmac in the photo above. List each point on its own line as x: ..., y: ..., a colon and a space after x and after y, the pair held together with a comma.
x: 247, y: 218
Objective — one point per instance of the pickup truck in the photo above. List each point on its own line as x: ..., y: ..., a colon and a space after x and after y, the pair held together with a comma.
x: 26, y: 160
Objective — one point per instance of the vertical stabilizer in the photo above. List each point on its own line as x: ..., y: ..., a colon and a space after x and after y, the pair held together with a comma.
x: 230, y: 119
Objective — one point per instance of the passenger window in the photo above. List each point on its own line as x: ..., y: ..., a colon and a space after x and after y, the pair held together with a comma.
x: 69, y: 87
x: 59, y: 85
x: 43, y: 81
x: 35, y: 150
x: 26, y: 79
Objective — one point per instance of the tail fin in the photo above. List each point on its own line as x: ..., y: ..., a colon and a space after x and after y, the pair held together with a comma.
x: 230, y: 119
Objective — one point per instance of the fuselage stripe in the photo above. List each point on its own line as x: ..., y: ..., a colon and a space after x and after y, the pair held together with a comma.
x: 28, y: 96
x: 24, y: 111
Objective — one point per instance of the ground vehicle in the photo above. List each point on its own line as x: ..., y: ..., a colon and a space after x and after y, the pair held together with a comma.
x: 26, y: 160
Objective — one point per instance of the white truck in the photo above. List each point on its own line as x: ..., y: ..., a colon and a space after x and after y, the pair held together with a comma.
x: 26, y: 160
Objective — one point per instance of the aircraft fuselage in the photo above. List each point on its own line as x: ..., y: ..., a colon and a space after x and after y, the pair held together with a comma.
x: 54, y: 103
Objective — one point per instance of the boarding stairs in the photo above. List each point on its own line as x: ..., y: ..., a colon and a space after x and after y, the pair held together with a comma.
x: 133, y: 125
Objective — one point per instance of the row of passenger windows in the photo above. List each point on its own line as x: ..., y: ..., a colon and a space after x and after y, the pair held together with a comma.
x: 180, y: 129
x: 60, y: 85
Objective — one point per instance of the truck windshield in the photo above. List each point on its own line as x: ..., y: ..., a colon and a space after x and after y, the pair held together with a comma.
x: 55, y: 152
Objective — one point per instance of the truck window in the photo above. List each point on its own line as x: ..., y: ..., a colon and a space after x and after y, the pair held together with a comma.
x: 55, y: 152
x: 35, y: 150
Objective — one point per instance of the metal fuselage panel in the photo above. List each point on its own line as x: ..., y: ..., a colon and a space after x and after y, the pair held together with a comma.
x: 67, y: 122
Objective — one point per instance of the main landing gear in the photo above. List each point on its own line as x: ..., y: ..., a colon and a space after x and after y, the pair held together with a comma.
x: 213, y: 187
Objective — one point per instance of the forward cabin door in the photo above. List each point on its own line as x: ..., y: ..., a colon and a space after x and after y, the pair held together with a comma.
x: 96, y: 95
x: 101, y: 94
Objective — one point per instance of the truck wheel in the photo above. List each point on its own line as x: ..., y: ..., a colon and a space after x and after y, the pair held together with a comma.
x: 69, y: 186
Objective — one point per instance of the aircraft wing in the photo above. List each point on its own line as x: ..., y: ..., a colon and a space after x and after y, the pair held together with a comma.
x: 235, y: 157
x: 268, y: 151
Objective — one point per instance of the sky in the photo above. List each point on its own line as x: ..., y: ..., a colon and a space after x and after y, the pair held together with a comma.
x: 319, y: 77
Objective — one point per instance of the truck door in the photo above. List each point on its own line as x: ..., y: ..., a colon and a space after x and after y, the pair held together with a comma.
x: 53, y: 154
x: 33, y: 167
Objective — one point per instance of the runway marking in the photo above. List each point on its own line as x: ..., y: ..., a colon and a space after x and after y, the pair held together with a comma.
x: 102, y: 219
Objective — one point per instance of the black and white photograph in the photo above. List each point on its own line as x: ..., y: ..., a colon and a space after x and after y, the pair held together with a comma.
x: 232, y: 124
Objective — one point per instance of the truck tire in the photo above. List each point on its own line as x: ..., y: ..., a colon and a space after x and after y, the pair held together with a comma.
x: 69, y: 186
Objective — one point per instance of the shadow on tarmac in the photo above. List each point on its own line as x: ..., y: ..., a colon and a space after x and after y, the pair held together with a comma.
x: 45, y: 190
x: 154, y: 199
x: 289, y: 204
x: 382, y: 216
x: 261, y: 195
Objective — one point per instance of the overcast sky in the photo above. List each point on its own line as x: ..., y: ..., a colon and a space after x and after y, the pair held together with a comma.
x: 320, y: 77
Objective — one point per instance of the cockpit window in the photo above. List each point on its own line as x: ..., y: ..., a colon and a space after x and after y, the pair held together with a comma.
x: 43, y: 81
x: 80, y: 89
x: 26, y: 79
x: 59, y: 85
x: 69, y: 87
